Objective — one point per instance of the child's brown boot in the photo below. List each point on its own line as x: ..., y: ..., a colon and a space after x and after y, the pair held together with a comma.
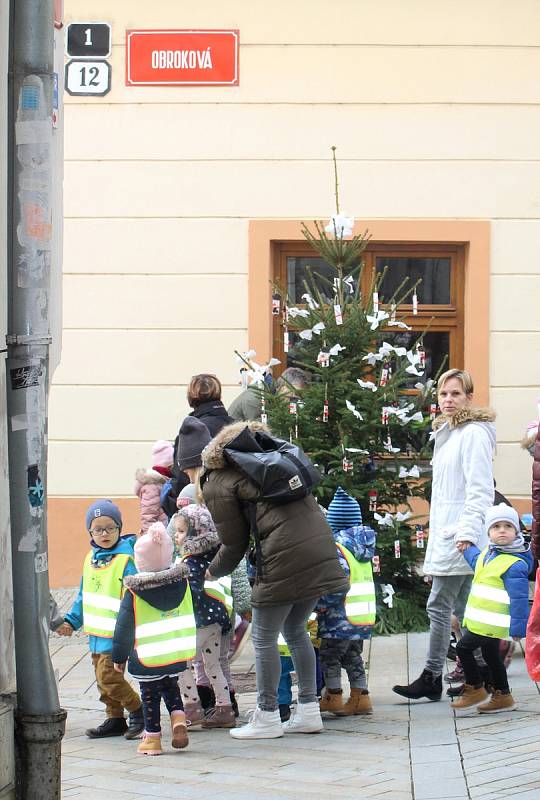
x: 150, y: 745
x: 358, y: 703
x: 332, y: 701
x: 220, y: 717
x: 179, y: 730
x: 470, y: 696
x: 499, y: 701
x: 194, y: 714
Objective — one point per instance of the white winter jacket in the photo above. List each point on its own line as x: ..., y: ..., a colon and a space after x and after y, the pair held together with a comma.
x: 462, y: 488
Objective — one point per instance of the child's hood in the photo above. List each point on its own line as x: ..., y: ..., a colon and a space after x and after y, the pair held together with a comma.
x: 200, y: 544
x: 144, y: 476
x: 358, y: 540
x: 163, y: 590
x: 123, y: 545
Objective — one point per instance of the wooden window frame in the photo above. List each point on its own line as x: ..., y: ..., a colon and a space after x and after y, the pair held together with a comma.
x: 443, y: 317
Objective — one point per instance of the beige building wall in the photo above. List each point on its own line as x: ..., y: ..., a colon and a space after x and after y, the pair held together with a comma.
x: 435, y: 110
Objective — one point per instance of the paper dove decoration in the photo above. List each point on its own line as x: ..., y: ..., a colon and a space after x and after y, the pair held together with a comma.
x: 386, y: 521
x: 413, y: 472
x: 375, y: 319
x: 336, y: 349
x: 258, y: 372
x: 401, y: 516
x: 388, y: 594
x: 367, y: 385
x: 340, y: 226
x: 297, y: 312
x: 310, y: 301
x: 308, y: 332
x: 396, y: 323
x: 414, y: 359
x: 372, y: 358
x: 352, y: 408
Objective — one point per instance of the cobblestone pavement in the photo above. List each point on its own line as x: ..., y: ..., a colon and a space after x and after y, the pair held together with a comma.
x: 417, y: 751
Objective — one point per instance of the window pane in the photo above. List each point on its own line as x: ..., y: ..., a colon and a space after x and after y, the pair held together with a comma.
x: 433, y: 272
x: 296, y: 275
x: 436, y: 345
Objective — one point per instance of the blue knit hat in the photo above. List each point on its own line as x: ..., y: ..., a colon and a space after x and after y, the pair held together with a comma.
x: 103, y: 508
x: 343, y: 511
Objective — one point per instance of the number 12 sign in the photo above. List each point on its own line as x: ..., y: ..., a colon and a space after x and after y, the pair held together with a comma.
x: 88, y: 77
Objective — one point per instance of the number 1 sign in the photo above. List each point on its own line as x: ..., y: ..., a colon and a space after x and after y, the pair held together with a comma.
x: 88, y: 77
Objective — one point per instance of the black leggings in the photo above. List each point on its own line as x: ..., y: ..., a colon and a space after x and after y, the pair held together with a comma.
x: 490, y: 651
x: 151, y: 694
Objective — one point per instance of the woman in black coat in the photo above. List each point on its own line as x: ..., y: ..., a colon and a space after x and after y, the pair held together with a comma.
x: 204, y: 397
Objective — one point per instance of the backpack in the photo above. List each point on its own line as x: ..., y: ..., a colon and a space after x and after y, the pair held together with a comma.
x: 280, y: 470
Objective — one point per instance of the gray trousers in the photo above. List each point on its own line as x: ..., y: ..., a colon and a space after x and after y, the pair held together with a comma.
x: 266, y: 625
x: 448, y: 596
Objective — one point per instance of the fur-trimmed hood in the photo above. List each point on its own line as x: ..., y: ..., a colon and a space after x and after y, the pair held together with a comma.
x: 153, y: 580
x: 212, y: 455
x: 144, y: 476
x: 200, y: 544
x: 464, y: 416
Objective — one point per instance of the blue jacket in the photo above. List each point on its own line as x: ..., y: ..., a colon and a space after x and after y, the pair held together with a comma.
x: 98, y: 644
x: 333, y: 623
x: 516, y: 583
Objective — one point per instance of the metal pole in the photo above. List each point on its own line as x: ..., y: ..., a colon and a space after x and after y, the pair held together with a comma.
x: 39, y: 719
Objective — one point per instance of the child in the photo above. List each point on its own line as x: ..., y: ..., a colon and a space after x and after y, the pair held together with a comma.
x: 287, y: 666
x: 197, y: 539
x: 156, y: 629
x: 497, y: 607
x: 96, y: 607
x: 150, y: 482
x: 345, y: 620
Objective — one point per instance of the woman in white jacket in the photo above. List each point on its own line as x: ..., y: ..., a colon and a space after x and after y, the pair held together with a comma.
x: 462, y: 491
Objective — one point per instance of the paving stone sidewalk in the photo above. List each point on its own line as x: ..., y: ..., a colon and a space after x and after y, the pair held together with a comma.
x: 416, y: 751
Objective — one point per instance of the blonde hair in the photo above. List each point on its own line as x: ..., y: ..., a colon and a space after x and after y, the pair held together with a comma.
x: 462, y: 375
x: 203, y: 388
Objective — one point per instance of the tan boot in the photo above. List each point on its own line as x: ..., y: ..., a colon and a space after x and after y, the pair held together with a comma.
x: 470, y: 696
x: 150, y: 745
x: 499, y: 701
x: 179, y: 730
x: 332, y: 702
x: 220, y: 717
x: 358, y: 703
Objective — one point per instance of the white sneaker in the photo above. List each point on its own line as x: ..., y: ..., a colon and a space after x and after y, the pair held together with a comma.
x: 305, y: 718
x: 262, y: 725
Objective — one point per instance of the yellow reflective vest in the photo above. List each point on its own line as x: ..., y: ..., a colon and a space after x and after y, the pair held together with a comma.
x: 488, y: 605
x: 360, y: 599
x: 102, y: 592
x: 164, y: 637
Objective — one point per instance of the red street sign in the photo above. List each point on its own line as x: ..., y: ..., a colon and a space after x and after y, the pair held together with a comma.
x: 182, y: 58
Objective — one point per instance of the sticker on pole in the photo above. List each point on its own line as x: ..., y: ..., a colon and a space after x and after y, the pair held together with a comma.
x: 182, y: 57
x: 88, y: 78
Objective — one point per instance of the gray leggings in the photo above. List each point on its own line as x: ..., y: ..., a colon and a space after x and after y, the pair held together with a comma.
x: 291, y: 620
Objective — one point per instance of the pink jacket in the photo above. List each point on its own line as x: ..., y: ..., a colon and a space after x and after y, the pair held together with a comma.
x: 148, y: 486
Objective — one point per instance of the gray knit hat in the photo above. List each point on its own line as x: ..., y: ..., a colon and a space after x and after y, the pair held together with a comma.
x: 192, y: 439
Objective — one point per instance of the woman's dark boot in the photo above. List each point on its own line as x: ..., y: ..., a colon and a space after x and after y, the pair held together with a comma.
x: 427, y: 685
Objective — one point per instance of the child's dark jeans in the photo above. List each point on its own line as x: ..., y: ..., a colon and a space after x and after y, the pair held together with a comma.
x: 489, y: 646
x: 151, y: 694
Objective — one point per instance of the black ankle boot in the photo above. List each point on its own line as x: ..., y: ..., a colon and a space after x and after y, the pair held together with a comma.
x: 113, y: 726
x: 427, y: 685
x: 207, y: 697
x: 135, y: 724
x: 234, y: 704
x: 284, y: 712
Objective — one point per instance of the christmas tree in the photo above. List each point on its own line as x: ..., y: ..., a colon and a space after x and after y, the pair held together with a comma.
x: 364, y: 417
